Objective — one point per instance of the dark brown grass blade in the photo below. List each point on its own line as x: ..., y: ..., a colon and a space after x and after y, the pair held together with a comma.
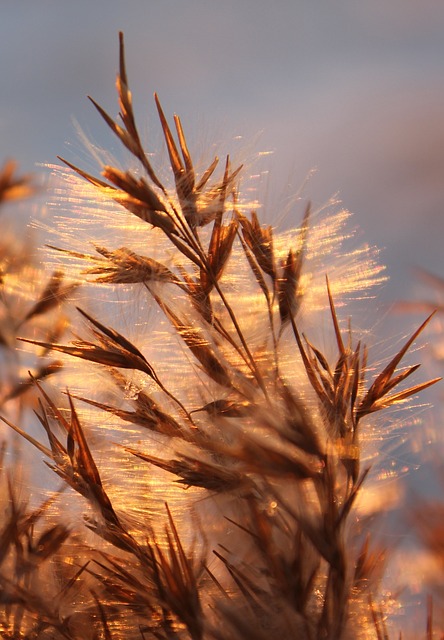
x: 185, y: 152
x: 123, y: 266
x: 254, y: 595
x: 311, y: 372
x: 128, y: 353
x: 135, y: 187
x: 107, y: 188
x: 82, y: 455
x: 82, y: 473
x: 145, y: 210
x: 300, y: 427
x: 213, y: 201
x: 383, y: 378
x: 256, y: 270
x: 207, y: 175
x: 124, y: 136
x: 198, y: 473
x: 347, y: 506
x: 400, y: 377
x: 93, y: 353
x: 334, y: 317
x: 383, y: 382
x: 147, y: 415
x: 127, y: 115
x: 260, y: 241
x: 200, y: 348
x: 386, y: 401
x: 288, y: 283
x: 225, y: 407
x: 176, y: 162
x: 219, y: 250
x: 180, y: 590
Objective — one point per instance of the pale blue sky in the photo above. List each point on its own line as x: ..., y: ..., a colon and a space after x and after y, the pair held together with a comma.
x: 354, y: 89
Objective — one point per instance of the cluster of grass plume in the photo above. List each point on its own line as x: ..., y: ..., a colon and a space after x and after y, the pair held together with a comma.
x: 211, y: 452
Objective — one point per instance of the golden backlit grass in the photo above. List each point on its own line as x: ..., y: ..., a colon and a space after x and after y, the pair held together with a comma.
x: 220, y: 397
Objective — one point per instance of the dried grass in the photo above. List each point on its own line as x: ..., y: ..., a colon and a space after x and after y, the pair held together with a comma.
x: 265, y: 431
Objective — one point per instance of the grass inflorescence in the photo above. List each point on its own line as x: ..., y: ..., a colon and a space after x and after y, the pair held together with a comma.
x: 218, y: 444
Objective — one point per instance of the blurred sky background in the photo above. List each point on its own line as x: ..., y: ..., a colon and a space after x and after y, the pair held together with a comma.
x: 351, y: 88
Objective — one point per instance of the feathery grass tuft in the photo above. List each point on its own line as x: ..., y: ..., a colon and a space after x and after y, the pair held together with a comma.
x: 227, y: 406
